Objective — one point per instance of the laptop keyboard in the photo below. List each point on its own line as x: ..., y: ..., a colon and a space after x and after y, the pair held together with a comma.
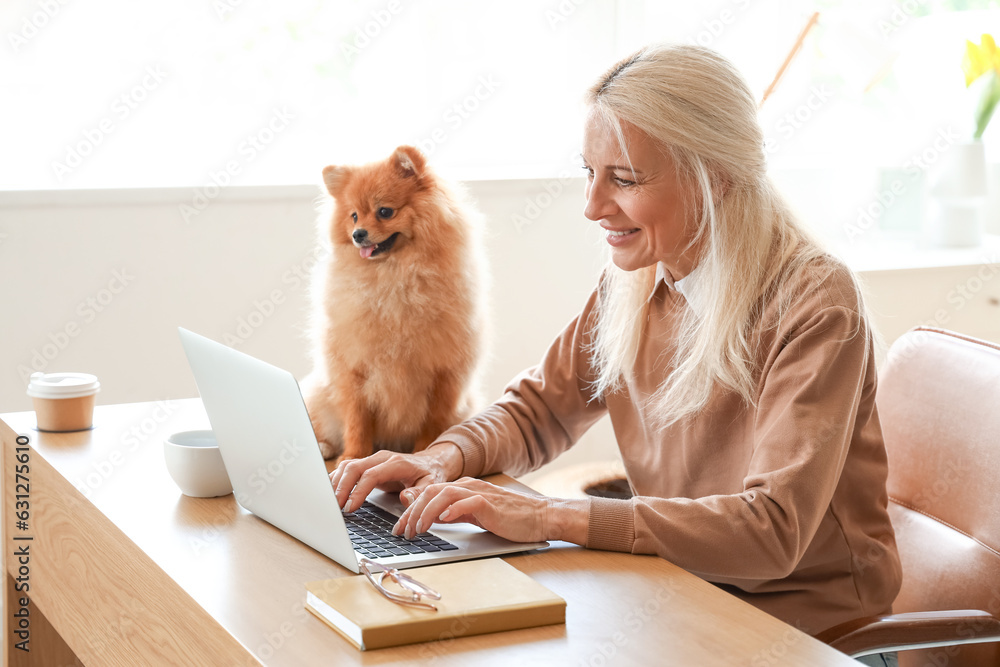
x: 370, y: 528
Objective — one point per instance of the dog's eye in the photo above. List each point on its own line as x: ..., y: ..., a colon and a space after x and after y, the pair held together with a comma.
x: 355, y: 216
x: 385, y: 212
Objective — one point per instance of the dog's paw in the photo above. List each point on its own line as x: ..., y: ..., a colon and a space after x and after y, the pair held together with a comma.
x: 327, y: 450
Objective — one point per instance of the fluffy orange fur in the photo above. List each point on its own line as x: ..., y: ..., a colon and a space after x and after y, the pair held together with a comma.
x: 400, y: 313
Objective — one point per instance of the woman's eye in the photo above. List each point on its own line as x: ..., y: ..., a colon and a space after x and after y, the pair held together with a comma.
x: 590, y: 172
x: 624, y: 183
x: 385, y: 212
x: 355, y: 216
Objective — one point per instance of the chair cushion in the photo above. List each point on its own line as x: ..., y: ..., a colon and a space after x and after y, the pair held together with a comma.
x: 942, y: 568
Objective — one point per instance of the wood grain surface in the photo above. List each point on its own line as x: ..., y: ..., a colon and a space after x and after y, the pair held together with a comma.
x: 131, y: 572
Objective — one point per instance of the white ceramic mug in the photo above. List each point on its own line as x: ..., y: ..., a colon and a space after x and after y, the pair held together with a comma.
x: 195, y: 464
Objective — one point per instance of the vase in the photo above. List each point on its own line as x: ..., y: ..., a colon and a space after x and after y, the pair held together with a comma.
x: 991, y: 210
x: 956, y: 196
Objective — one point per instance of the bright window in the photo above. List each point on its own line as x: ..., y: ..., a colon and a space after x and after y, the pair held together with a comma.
x: 111, y: 93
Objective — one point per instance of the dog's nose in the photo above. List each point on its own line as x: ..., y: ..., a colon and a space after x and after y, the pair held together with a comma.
x: 360, y: 235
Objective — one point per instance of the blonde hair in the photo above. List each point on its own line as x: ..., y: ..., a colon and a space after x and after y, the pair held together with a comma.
x: 701, y: 112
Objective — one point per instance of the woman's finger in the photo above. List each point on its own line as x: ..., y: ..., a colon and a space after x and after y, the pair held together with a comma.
x: 420, y: 522
x: 413, y: 491
x: 417, y: 512
x: 337, y: 477
x: 414, y: 508
x: 350, y: 472
x: 394, y: 469
x: 409, y: 518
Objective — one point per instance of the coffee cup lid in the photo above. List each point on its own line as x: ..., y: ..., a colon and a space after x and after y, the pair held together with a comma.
x: 63, y: 385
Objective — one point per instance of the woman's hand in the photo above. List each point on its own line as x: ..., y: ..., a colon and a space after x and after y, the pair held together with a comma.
x: 516, y: 516
x: 354, y: 479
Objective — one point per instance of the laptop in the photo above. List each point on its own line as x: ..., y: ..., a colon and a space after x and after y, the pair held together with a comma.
x: 277, y: 472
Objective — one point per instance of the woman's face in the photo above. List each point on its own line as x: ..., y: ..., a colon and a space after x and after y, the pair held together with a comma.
x: 643, y: 214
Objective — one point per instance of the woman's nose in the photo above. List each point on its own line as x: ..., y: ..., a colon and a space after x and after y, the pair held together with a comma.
x: 599, y: 204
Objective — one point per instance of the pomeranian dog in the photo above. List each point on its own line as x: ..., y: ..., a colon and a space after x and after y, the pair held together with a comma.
x: 400, y: 312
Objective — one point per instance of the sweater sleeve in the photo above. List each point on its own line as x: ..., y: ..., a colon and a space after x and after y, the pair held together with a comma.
x: 808, y: 400
x: 543, y: 411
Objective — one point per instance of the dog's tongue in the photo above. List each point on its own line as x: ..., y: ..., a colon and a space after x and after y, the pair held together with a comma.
x: 367, y: 251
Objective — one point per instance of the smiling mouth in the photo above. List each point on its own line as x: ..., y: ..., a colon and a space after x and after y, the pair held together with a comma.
x: 376, y: 249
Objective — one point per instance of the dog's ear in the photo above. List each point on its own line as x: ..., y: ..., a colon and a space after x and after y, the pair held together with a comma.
x: 409, y: 161
x: 334, y: 178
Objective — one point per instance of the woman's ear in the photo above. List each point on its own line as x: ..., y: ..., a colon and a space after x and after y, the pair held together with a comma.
x: 721, y: 182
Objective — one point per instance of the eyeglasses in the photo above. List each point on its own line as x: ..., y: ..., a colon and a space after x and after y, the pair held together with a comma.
x: 414, y: 591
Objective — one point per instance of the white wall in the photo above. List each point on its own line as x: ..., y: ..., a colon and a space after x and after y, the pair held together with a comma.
x: 98, y: 281
x: 236, y: 270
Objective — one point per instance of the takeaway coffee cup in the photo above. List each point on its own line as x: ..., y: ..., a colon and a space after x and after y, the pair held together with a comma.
x: 63, y: 401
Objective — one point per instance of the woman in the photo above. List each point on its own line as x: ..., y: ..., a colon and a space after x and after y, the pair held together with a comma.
x: 733, y: 355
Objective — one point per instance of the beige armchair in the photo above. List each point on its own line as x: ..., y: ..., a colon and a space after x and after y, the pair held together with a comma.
x: 939, y: 404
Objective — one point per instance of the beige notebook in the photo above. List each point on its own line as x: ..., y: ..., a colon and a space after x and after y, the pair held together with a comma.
x: 477, y: 597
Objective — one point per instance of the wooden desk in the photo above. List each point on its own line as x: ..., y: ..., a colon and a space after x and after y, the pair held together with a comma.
x: 130, y: 572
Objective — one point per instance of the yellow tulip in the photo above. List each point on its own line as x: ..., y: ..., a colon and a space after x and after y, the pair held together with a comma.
x: 980, y: 59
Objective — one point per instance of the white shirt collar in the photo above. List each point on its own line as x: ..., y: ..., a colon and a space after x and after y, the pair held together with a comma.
x: 662, y: 275
x: 686, y: 286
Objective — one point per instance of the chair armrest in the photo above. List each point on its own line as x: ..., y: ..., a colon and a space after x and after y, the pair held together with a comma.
x: 899, y: 632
